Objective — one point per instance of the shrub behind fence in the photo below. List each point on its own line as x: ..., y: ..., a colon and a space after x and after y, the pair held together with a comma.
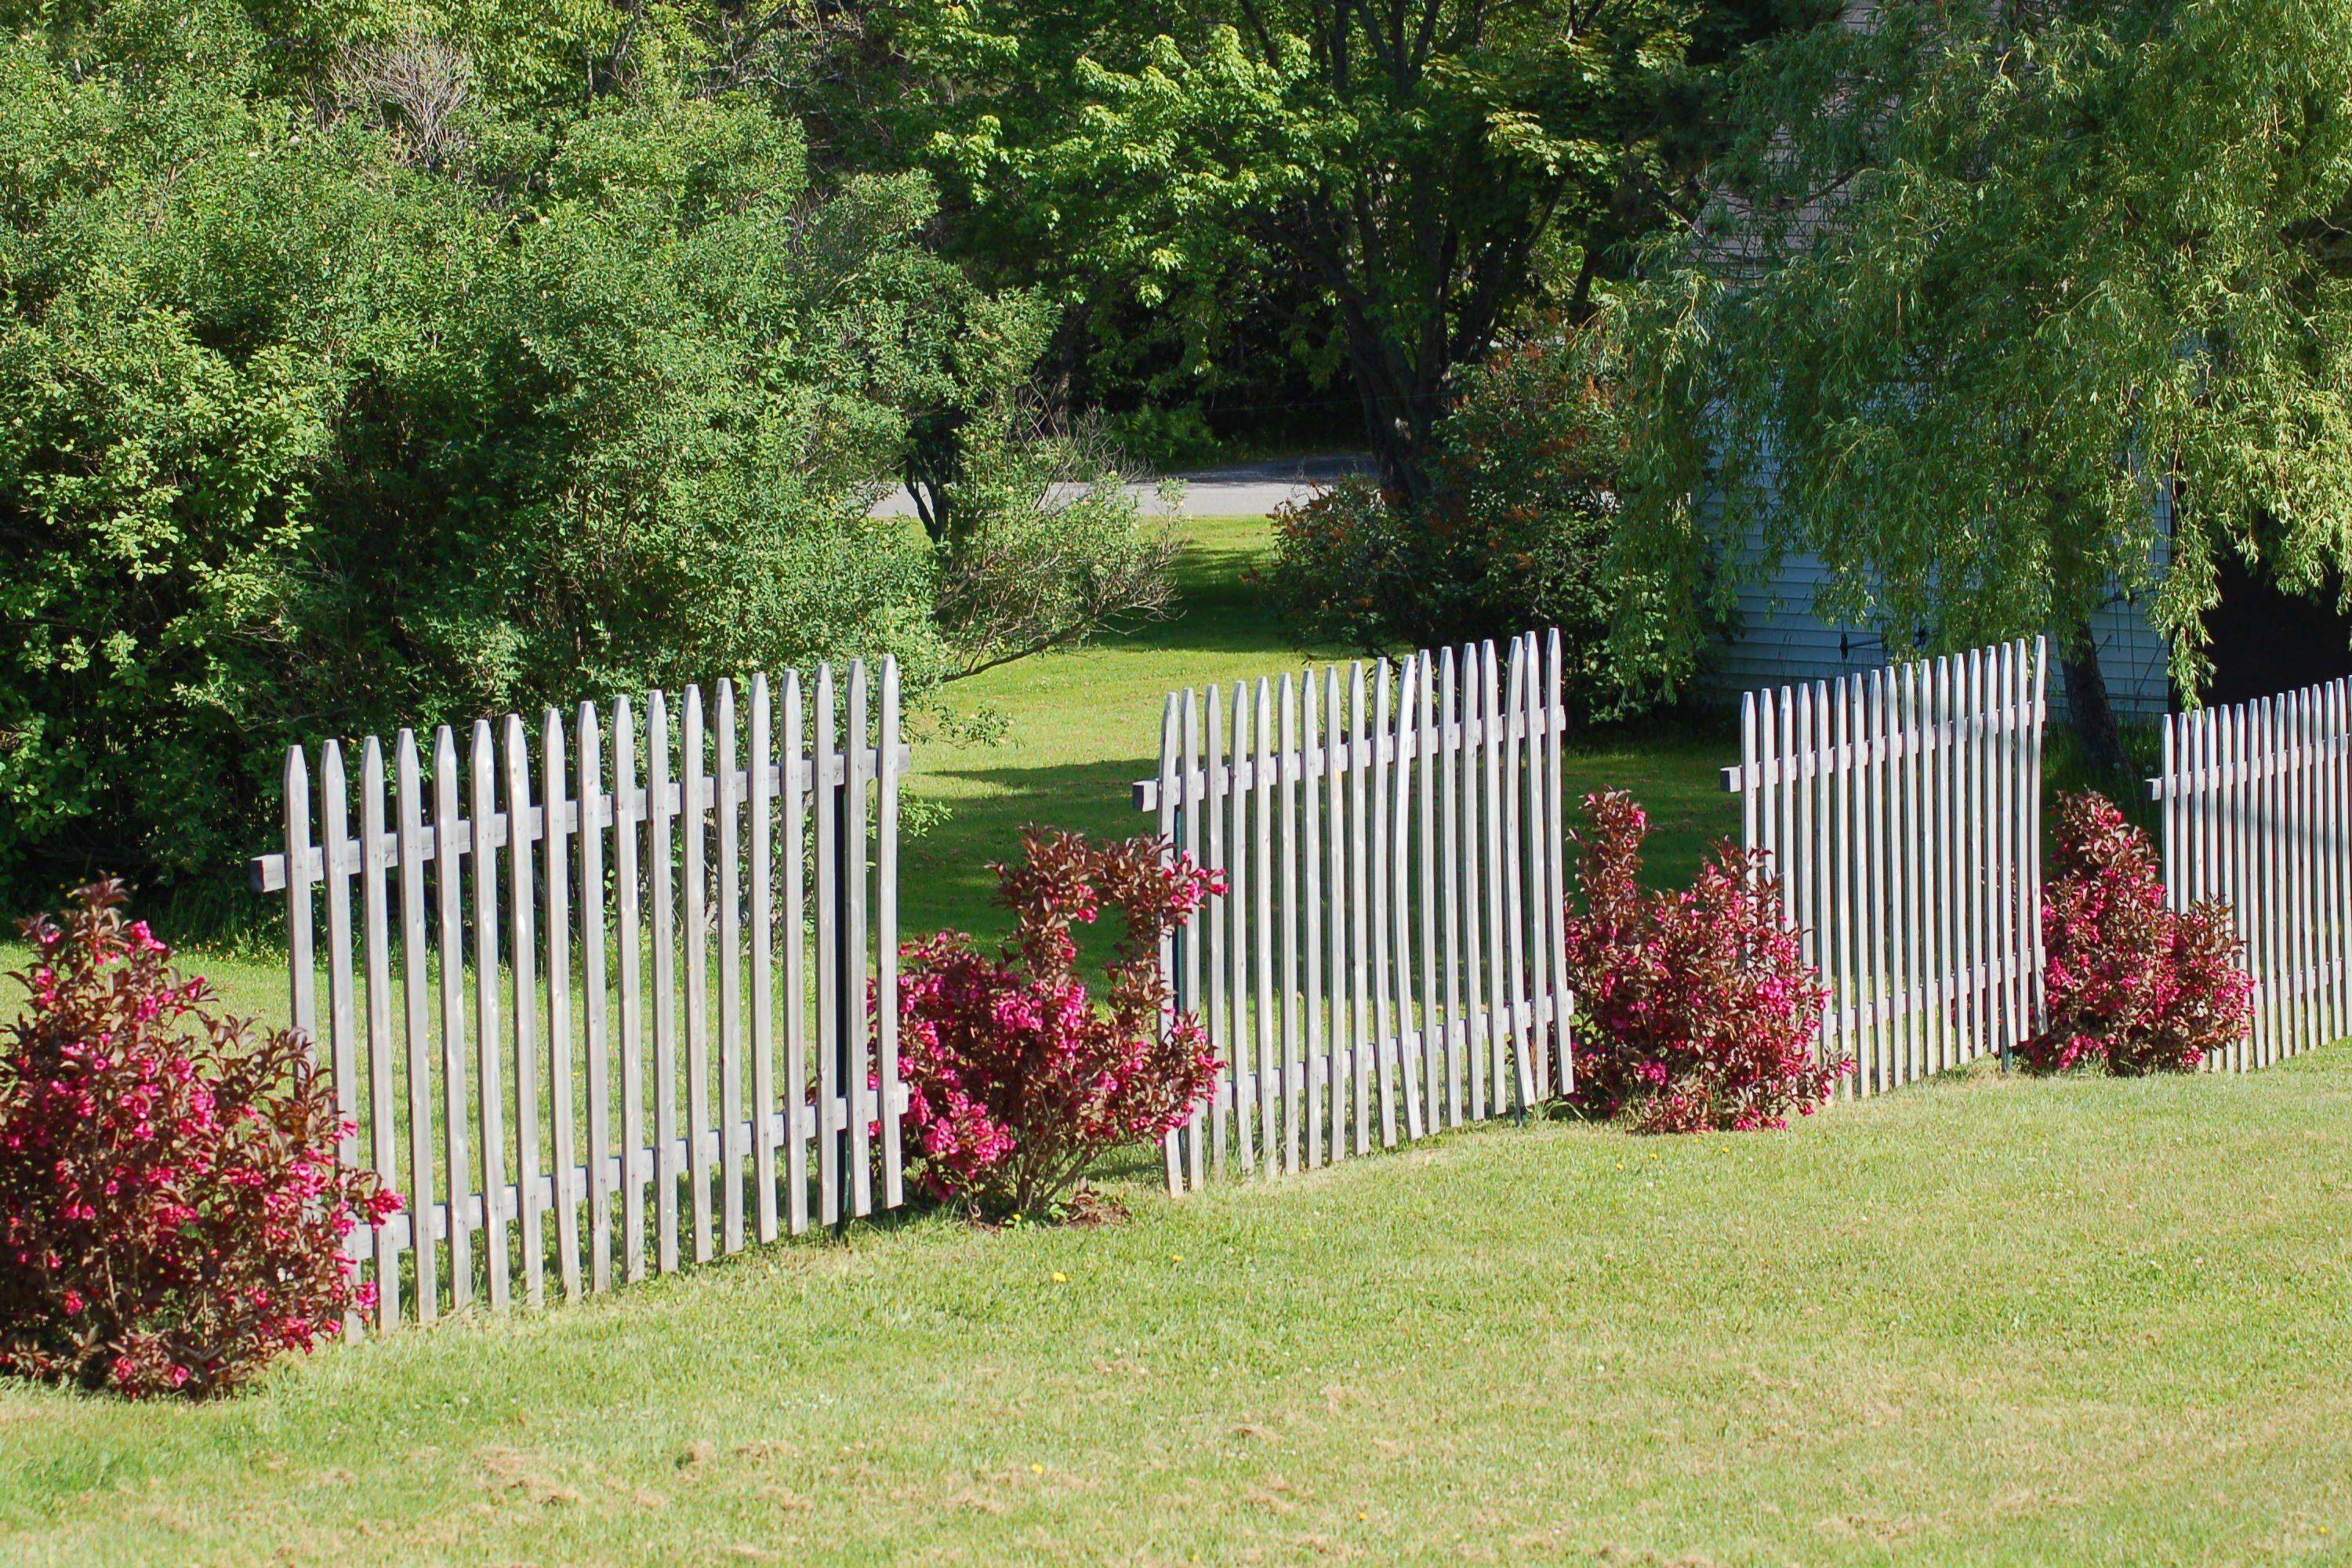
x: 1388, y: 958
x: 2254, y: 802
x: 1901, y: 810
x: 492, y: 1024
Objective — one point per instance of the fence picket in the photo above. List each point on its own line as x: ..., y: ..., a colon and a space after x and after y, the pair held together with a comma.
x: 727, y: 803
x: 522, y: 971
x: 858, y: 776
x: 488, y: 1078
x: 377, y: 920
x: 628, y: 817
x: 1342, y: 1037
x: 448, y: 845
x: 556, y: 867
x: 761, y: 797
x: 334, y: 832
x: 1286, y: 856
x: 416, y: 1008
x: 596, y: 816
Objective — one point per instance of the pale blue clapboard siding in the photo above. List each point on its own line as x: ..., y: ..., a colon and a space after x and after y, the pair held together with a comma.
x: 1780, y: 640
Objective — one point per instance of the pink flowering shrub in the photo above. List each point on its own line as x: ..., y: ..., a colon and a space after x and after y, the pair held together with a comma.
x: 1016, y: 1082
x: 1695, y: 1009
x: 2128, y: 982
x: 172, y: 1214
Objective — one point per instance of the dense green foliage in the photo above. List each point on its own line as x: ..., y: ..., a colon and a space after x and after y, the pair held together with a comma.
x: 1996, y: 294
x: 1518, y: 533
x: 1387, y: 185
x: 356, y: 384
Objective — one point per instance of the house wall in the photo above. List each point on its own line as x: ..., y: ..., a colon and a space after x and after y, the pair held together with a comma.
x: 1779, y: 641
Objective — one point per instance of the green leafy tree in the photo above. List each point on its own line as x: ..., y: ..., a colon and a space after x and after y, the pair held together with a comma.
x: 411, y: 385
x: 1995, y: 293
x: 1416, y: 164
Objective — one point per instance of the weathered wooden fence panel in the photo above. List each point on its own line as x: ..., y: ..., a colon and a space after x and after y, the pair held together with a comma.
x: 1388, y: 959
x: 1900, y: 809
x: 570, y: 848
x: 2255, y: 799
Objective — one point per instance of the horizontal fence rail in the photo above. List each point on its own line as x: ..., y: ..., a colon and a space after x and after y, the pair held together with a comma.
x: 2255, y: 799
x: 1900, y: 809
x: 1388, y: 959
x: 555, y: 971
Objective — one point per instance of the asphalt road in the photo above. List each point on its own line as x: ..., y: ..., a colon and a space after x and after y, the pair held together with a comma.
x: 1238, y: 490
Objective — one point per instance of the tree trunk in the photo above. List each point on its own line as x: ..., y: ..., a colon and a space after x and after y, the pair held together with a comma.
x: 2087, y: 709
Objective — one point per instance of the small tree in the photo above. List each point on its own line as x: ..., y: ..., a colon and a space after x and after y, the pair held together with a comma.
x: 171, y: 1211
x: 1016, y: 1083
x: 2130, y: 983
x: 1699, y: 1010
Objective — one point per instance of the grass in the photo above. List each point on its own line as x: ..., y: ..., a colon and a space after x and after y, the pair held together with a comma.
x: 1984, y: 1320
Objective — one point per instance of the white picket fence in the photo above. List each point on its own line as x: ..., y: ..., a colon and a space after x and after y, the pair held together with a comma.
x: 1901, y: 810
x: 1388, y: 959
x: 2254, y: 803
x: 533, y: 876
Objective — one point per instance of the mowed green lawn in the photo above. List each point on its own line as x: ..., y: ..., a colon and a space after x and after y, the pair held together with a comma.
x: 1982, y: 1320
x: 1978, y: 1321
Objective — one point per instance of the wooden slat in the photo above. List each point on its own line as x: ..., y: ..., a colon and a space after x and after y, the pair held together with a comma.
x: 1340, y: 901
x: 1556, y: 841
x: 832, y: 1190
x: 763, y: 949
x: 1477, y: 1022
x: 1170, y: 761
x: 1379, y: 852
x: 1286, y: 858
x: 1242, y: 881
x: 1262, y: 918
x: 733, y: 1132
x: 630, y: 878
x: 1452, y: 865
x: 796, y: 745
x: 417, y: 1009
x: 886, y: 935
x: 383, y: 1121
x: 555, y: 865
x: 661, y: 877
x: 457, y: 1167
x: 524, y: 973
x: 1402, y: 958
x: 489, y: 1077
x: 342, y: 1052
x: 1430, y: 1029
x: 595, y: 806
x: 1218, y: 1017
x: 694, y: 892
x: 1313, y: 1065
x: 1195, y: 929
x: 1362, y: 1043
x: 852, y: 871
x: 1514, y: 877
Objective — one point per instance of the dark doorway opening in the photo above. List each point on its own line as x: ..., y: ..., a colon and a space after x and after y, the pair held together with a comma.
x: 2267, y: 640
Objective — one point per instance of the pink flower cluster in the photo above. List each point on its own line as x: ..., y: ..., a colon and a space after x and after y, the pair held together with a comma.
x: 172, y: 1212
x: 2129, y: 983
x: 1017, y: 1082
x: 1696, y: 1008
